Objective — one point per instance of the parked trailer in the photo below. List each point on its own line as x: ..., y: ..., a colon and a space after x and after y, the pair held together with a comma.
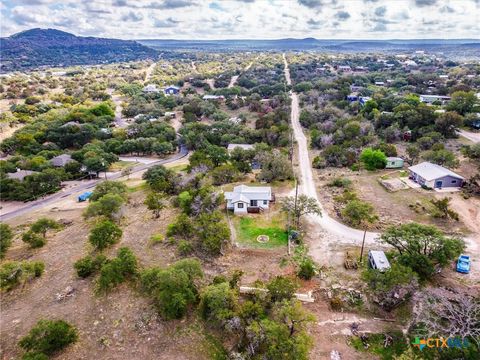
x: 85, y: 196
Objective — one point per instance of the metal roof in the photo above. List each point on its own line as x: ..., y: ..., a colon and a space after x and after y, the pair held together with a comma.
x: 380, y: 259
x: 430, y: 171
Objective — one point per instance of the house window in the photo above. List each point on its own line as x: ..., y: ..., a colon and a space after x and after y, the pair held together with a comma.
x: 253, y: 203
x: 265, y: 202
x: 240, y: 205
x: 454, y: 181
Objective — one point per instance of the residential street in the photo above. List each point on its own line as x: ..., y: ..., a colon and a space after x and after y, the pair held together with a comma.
x: 341, y: 233
x: 76, y: 190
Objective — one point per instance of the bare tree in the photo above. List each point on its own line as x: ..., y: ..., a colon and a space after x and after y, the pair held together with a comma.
x: 303, y: 205
x: 448, y: 313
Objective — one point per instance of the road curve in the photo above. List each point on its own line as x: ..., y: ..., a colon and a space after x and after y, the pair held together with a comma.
x: 307, y: 182
x: 82, y: 187
x: 475, y: 137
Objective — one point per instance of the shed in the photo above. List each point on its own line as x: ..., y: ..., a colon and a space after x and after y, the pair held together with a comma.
x: 434, y: 176
x: 394, y: 163
x: 378, y: 260
x: 21, y: 174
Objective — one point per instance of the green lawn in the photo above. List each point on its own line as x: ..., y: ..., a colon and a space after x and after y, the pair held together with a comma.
x: 249, y: 228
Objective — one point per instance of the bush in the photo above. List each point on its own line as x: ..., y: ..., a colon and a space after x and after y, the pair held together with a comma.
x: 184, y: 247
x: 340, y: 182
x: 109, y: 187
x: 281, y: 288
x: 108, y: 205
x: 373, y: 159
x: 33, y: 355
x: 319, y: 162
x: 104, y: 234
x: 156, y: 239
x: 218, y: 302
x: 88, y: 265
x: 13, y: 272
x: 49, y: 337
x: 33, y: 239
x: 6, y: 236
x: 116, y: 271
x: 306, y: 269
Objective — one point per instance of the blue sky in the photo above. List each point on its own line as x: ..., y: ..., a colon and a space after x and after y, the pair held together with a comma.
x: 247, y: 19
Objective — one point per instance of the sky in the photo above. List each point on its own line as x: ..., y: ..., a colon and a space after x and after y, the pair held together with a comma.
x: 247, y: 19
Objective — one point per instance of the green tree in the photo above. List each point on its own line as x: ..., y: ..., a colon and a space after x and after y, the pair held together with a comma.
x: 420, y: 247
x: 12, y: 273
x: 413, y: 153
x: 448, y: 123
x: 373, y: 159
x: 108, y: 205
x: 49, y: 337
x: 89, y: 265
x: 442, y: 209
x: 462, y: 102
x: 441, y: 157
x: 109, y: 187
x: 383, y: 281
x: 359, y: 212
x: 281, y: 288
x: 212, y: 232
x: 117, y: 270
x: 104, y: 234
x: 42, y: 225
x: 304, y: 205
x: 155, y: 202
x: 162, y: 179
x: 33, y: 239
x: 224, y: 174
x: 218, y: 302
x: 6, y: 236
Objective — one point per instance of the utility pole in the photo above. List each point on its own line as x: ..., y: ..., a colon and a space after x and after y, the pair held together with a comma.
x: 295, y: 207
x: 363, y: 244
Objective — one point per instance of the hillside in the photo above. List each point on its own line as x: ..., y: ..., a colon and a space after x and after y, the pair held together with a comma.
x: 49, y: 47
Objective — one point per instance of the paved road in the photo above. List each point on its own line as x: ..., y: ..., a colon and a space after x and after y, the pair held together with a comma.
x: 82, y: 187
x: 307, y: 182
x: 475, y: 137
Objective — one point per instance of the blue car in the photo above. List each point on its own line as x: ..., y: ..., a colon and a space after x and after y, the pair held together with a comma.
x: 463, y: 264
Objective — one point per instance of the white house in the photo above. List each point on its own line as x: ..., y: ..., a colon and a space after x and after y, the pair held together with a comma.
x: 432, y: 98
x: 231, y: 147
x: 151, y: 88
x: 244, y: 199
x: 435, y: 176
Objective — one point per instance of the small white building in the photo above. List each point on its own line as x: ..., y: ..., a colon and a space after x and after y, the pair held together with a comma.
x: 429, y: 99
x: 244, y: 199
x: 151, y: 89
x: 213, y: 97
x: 231, y: 147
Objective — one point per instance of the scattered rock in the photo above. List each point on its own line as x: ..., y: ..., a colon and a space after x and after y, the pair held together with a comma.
x: 335, y: 355
x: 68, y: 292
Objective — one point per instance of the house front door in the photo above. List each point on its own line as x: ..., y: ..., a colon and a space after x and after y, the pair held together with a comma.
x: 438, y: 184
x: 253, y: 203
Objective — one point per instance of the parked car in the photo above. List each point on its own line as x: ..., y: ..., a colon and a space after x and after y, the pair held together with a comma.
x: 85, y: 196
x: 463, y: 264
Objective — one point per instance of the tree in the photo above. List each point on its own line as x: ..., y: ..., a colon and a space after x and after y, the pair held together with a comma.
x: 212, y: 232
x: 109, y: 187
x: 89, y: 265
x: 104, y: 234
x: 172, y: 289
x: 49, y: 337
x: 224, y: 174
x: 42, y: 226
x: 281, y: 288
x: 358, y: 212
x: 117, y: 270
x: 155, y: 202
x: 275, y: 166
x: 12, y: 273
x: 420, y: 247
x: 218, y: 302
x: 302, y: 206
x: 413, y: 153
x: 446, y: 312
x: 373, y: 159
x: 448, y: 123
x: 441, y: 157
x: 462, y: 102
x: 6, y: 236
x: 108, y: 205
x: 442, y: 209
x: 162, y: 179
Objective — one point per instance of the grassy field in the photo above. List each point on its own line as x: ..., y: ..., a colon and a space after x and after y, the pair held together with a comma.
x: 120, y: 165
x: 249, y: 227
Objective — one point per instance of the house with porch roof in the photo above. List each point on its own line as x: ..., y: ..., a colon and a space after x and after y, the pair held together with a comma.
x: 244, y: 199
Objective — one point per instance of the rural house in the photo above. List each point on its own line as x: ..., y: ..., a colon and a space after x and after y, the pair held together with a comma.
x: 61, y: 160
x: 151, y: 88
x: 20, y: 174
x: 394, y: 163
x: 244, y: 199
x: 171, y: 90
x: 434, y: 176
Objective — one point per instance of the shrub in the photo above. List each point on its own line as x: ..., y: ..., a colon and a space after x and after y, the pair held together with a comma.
x: 108, y: 205
x: 116, y: 271
x: 49, y: 337
x: 6, y: 236
x: 340, y: 182
x: 42, y: 225
x: 33, y: 355
x: 156, y: 239
x: 184, y: 247
x: 104, y: 234
x: 218, y: 302
x: 319, y: 162
x: 306, y: 269
x: 281, y: 288
x: 373, y: 159
x: 88, y: 265
x: 13, y: 272
x: 33, y: 239
x: 109, y: 187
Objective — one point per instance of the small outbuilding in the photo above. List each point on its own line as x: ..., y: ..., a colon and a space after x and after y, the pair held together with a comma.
x: 378, y: 260
x: 394, y: 163
x: 435, y: 176
x: 61, y: 160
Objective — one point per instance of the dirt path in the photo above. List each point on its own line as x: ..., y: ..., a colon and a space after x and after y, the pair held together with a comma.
x: 6, y: 130
x: 341, y: 233
x: 194, y: 67
x: 117, y: 100
x: 211, y: 82
x: 234, y: 79
x: 149, y: 71
x: 475, y: 137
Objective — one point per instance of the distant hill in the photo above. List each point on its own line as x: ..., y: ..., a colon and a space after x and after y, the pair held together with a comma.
x: 49, y: 47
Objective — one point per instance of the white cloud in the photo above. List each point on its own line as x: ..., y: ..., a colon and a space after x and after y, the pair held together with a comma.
x: 260, y: 19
